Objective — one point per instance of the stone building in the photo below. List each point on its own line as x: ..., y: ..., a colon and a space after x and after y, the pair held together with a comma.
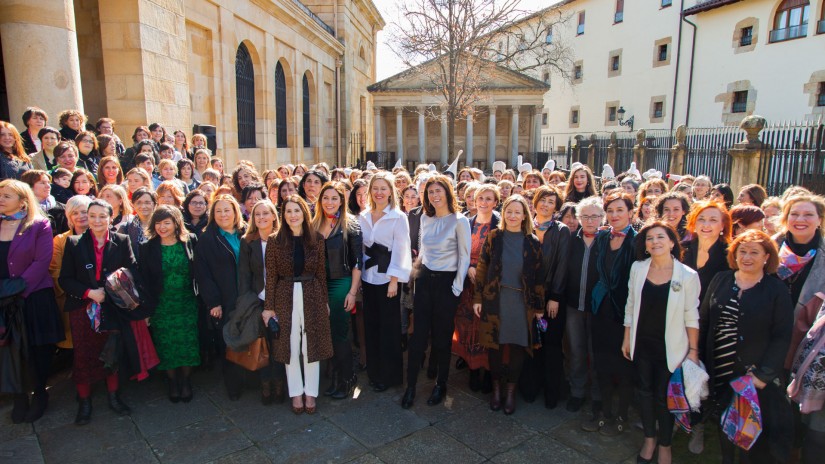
x: 281, y: 80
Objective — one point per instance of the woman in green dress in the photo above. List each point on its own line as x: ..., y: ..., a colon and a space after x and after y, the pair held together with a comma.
x: 166, y: 266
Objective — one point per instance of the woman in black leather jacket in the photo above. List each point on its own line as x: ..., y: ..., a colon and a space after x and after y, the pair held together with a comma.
x: 343, y: 243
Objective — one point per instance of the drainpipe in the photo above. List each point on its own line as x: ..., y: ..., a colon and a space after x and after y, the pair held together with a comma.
x: 690, y: 74
x: 338, y: 63
x: 678, y: 61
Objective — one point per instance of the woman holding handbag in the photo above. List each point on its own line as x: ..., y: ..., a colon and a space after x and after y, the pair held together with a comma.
x: 509, y: 295
x: 25, y: 254
x: 166, y: 265
x: 661, y: 329
x: 93, y: 317
x: 297, y: 296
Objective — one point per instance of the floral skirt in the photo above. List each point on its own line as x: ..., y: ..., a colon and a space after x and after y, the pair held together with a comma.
x: 465, y: 336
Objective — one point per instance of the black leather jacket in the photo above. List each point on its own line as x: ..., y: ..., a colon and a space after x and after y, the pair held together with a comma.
x: 344, y: 255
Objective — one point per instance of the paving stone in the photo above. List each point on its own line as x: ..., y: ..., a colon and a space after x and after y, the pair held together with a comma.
x: 203, y: 441
x: 366, y: 459
x: 251, y: 455
x: 539, y: 449
x: 88, y: 442
x: 487, y: 432
x: 596, y: 445
x: 9, y: 431
x: 320, y: 442
x: 260, y: 423
x: 456, y: 402
x: 427, y: 446
x: 23, y: 450
x: 536, y: 417
x: 161, y: 415
x: 378, y: 422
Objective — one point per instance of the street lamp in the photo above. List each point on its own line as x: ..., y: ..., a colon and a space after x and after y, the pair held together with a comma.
x: 622, y: 122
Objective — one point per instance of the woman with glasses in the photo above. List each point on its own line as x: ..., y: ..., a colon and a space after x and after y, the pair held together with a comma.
x: 88, y: 151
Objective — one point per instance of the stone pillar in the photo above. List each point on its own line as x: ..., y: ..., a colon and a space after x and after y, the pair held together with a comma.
x: 468, y: 145
x: 612, y: 151
x: 444, y: 145
x: 640, y: 151
x: 399, y: 133
x: 748, y: 154
x: 491, y: 138
x: 422, y: 136
x: 591, y: 154
x: 677, y: 153
x: 536, y: 139
x: 40, y: 57
x: 514, y: 135
x: 379, y: 140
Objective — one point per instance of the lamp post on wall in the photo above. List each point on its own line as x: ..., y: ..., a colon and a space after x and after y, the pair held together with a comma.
x: 622, y: 122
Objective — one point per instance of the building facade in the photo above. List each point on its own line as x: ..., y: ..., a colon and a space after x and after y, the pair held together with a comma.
x: 281, y: 80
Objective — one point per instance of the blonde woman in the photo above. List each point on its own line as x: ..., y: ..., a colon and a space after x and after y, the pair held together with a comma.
x: 116, y: 196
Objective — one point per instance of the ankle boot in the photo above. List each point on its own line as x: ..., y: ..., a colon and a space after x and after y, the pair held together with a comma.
x: 20, y: 409
x: 84, y: 411
x: 118, y: 406
x: 510, y: 398
x: 40, y: 401
x: 345, y: 388
x: 495, y: 397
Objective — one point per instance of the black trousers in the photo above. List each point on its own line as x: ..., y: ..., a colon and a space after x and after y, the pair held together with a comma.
x: 652, y: 378
x: 382, y: 333
x: 434, y: 311
x: 506, y: 362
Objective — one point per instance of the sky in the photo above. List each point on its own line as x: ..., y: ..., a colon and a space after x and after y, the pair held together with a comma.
x: 388, y: 63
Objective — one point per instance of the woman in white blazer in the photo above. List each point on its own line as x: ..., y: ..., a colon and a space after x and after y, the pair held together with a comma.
x: 661, y: 329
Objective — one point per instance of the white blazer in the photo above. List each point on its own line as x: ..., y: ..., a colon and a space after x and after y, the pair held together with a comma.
x: 682, y: 308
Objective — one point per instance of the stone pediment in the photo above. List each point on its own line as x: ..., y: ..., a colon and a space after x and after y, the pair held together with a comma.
x: 417, y: 79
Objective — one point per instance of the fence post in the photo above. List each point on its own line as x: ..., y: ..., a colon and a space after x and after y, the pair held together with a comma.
x: 577, y: 145
x: 678, y: 152
x: 591, y: 152
x: 612, y: 150
x: 640, y: 151
x: 747, y: 155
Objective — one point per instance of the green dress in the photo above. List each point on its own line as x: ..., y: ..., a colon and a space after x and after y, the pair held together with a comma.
x: 175, y: 323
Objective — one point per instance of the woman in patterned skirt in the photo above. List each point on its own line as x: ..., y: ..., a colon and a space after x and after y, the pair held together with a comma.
x: 166, y: 266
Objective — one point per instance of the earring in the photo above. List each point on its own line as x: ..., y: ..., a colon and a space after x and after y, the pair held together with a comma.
x: 647, y: 252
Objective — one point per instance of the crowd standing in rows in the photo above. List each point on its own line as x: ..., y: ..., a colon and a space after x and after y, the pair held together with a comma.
x: 639, y: 285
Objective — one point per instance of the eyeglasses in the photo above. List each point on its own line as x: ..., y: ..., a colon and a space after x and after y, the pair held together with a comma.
x: 86, y: 141
x: 591, y: 218
x: 197, y: 203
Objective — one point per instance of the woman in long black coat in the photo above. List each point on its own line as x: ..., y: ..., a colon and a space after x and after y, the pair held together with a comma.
x: 216, y: 272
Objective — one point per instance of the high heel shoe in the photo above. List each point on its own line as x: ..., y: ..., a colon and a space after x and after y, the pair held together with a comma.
x: 310, y: 409
x: 174, y: 390
x: 186, y: 394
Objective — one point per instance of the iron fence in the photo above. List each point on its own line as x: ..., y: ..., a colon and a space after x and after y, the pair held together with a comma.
x: 797, y: 157
x: 707, y: 152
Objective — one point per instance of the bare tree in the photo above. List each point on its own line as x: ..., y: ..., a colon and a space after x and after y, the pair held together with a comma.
x: 454, y: 45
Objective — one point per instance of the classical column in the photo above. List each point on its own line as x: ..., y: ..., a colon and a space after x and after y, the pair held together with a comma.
x: 536, y: 139
x: 422, y: 136
x: 514, y: 136
x: 399, y: 132
x: 491, y: 138
x: 444, y: 155
x: 40, y: 57
x: 468, y: 149
x: 379, y: 142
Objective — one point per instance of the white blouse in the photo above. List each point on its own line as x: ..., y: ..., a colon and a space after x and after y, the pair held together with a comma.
x: 392, y: 231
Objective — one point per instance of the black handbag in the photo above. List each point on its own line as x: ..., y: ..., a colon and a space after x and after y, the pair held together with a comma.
x: 9, y: 291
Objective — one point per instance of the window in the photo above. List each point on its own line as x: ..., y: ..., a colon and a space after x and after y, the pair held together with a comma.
x: 658, y: 109
x: 791, y: 20
x: 611, y: 114
x: 619, y: 16
x: 280, y: 107
x: 820, y: 100
x: 549, y: 37
x: 740, y: 101
x: 663, y: 52
x: 305, y: 85
x: 580, y: 28
x: 614, y: 63
x: 666, y: 3
x: 245, y: 97
x: 544, y: 119
x: 746, y: 37
x: 577, y: 72
x: 546, y: 77
x: 574, y: 116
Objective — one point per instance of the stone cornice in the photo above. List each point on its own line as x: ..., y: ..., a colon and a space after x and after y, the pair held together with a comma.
x: 301, y: 20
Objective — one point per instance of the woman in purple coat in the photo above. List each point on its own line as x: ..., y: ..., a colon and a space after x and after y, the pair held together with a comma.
x: 32, y: 317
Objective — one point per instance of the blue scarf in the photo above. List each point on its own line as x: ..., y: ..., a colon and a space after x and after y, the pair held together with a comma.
x: 14, y: 217
x: 234, y: 240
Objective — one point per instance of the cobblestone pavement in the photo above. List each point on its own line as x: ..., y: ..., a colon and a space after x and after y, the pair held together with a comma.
x: 371, y: 428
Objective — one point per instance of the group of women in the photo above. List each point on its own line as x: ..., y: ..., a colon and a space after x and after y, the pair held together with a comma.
x: 512, y: 274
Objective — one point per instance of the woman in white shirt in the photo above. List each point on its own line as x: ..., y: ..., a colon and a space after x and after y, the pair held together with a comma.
x: 445, y: 257
x: 387, y: 263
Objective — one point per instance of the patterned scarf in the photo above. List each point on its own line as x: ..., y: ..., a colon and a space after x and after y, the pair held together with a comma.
x: 541, y: 227
x: 14, y: 217
x: 742, y: 420
x: 791, y: 263
x: 93, y: 311
x: 677, y: 402
x: 618, y: 233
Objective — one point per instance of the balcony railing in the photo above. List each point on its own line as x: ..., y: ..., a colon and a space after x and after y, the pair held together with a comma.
x: 618, y: 17
x: 820, y: 26
x: 793, y: 32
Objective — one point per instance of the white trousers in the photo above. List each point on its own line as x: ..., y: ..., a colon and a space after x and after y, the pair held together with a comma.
x: 308, y: 383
